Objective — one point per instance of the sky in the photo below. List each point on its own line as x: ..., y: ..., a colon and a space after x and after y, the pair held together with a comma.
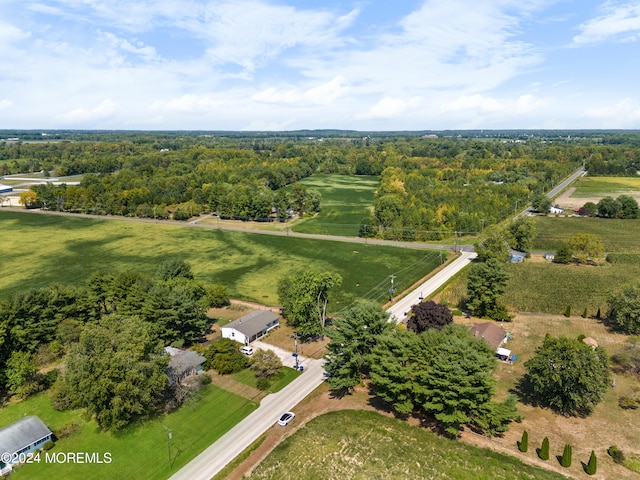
x: 366, y: 65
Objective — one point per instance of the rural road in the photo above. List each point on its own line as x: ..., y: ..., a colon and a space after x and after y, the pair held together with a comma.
x: 400, y: 309
x: 557, y: 189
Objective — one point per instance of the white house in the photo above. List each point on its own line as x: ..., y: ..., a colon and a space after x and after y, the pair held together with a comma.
x: 556, y: 210
x: 251, y: 327
x: 21, y: 438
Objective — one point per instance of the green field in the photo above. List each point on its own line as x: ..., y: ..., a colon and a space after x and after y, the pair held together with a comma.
x: 346, y: 200
x: 617, y: 235
x: 601, y: 186
x: 368, y: 446
x: 38, y: 250
x: 284, y: 377
x: 138, y: 451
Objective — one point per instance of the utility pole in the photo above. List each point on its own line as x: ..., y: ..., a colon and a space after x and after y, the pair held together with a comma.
x: 392, y: 289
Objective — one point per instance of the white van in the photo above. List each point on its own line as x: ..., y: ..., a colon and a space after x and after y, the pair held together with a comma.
x: 247, y: 350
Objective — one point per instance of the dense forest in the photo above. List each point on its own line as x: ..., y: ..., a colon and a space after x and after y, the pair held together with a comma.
x: 431, y: 185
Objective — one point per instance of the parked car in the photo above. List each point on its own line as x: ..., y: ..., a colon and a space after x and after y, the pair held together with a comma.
x: 286, y: 418
x: 247, y: 350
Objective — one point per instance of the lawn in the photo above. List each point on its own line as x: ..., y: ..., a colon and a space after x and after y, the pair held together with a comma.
x: 38, y: 250
x: 346, y: 200
x: 283, y: 378
x: 140, y: 451
x: 617, y: 235
x: 601, y: 186
x: 368, y: 445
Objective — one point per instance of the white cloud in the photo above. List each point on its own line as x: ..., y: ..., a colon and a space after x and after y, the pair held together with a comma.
x: 148, y: 54
x: 188, y: 103
x: 621, y: 22
x: 87, y: 115
x: 389, y: 107
x: 624, y: 112
x: 323, y: 94
x: 5, y: 103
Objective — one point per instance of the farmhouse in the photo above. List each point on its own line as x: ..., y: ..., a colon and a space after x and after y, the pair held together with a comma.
x: 251, y: 327
x: 494, y: 335
x: 556, y: 210
x: 183, y: 363
x: 21, y: 438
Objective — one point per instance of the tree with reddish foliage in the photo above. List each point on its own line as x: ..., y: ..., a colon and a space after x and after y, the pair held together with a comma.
x: 427, y: 315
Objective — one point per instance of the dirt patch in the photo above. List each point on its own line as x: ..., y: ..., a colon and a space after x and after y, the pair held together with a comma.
x: 568, y: 202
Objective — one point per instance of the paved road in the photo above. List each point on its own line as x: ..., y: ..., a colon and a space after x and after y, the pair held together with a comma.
x: 557, y: 189
x: 236, y: 440
x: 399, y: 311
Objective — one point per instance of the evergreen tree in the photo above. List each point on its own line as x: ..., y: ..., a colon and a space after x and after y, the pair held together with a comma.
x: 544, y: 449
x: 592, y: 466
x: 566, y: 456
x: 485, y: 284
x: 523, y: 446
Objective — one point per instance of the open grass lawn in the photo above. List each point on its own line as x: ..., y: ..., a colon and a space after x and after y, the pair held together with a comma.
x: 284, y: 377
x: 346, y: 200
x: 601, y: 186
x: 616, y: 235
x: 139, y: 452
x: 368, y: 446
x: 38, y: 250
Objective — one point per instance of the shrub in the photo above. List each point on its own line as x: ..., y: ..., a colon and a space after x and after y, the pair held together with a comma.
x: 66, y: 430
x: 616, y: 454
x: 567, y: 312
x: 263, y: 383
x: 523, y: 446
x: 592, y: 466
x: 628, y: 403
x: 598, y: 314
x: 457, y: 312
x: 48, y: 446
x: 566, y: 456
x: 544, y: 449
x: 563, y: 255
x: 585, y: 314
x: 204, y: 378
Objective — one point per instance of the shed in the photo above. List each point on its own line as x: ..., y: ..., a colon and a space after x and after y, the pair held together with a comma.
x: 183, y: 363
x: 494, y: 335
x: 591, y: 342
x: 20, y: 438
x: 5, y: 188
x: 251, y: 327
x: 556, y: 210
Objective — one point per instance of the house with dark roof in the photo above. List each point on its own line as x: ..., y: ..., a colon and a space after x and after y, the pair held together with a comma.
x: 183, y: 363
x: 491, y: 333
x: 251, y: 327
x: 21, y: 438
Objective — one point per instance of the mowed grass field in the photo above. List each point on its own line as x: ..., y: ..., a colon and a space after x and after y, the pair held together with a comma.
x: 38, y: 250
x: 601, y: 186
x: 346, y: 200
x: 368, y: 446
x: 621, y: 236
x: 138, y: 452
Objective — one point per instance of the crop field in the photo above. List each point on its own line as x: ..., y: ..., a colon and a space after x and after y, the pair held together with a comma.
x: 602, y: 186
x: 346, y: 200
x: 617, y: 235
x: 371, y: 446
x: 138, y: 451
x: 38, y: 250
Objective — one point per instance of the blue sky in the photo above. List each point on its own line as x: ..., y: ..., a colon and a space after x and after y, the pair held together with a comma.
x: 284, y: 65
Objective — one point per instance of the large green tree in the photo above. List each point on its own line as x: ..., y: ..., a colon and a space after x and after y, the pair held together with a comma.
x: 586, y: 246
x: 446, y: 373
x: 624, y: 309
x: 304, y: 298
x: 485, y: 284
x: 116, y: 371
x: 568, y: 375
x: 353, y: 336
x: 495, y: 244
x: 523, y: 231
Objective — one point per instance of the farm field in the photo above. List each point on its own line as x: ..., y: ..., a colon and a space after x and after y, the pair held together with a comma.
x: 139, y: 451
x: 593, y: 189
x: 38, y: 250
x: 346, y: 200
x: 617, y: 235
x: 368, y: 445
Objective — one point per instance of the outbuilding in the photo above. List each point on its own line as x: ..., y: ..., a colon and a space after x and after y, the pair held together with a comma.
x: 20, y: 439
x: 5, y: 188
x: 251, y: 327
x: 183, y: 363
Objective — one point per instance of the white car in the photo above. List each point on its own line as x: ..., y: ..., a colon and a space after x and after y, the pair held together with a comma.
x: 247, y: 350
x: 286, y: 418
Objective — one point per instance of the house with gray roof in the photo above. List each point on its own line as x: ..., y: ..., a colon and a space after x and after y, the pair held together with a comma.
x: 183, y: 363
x: 251, y: 327
x: 21, y: 438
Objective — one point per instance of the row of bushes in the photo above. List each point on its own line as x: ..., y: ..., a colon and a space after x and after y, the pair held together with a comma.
x: 565, y: 460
